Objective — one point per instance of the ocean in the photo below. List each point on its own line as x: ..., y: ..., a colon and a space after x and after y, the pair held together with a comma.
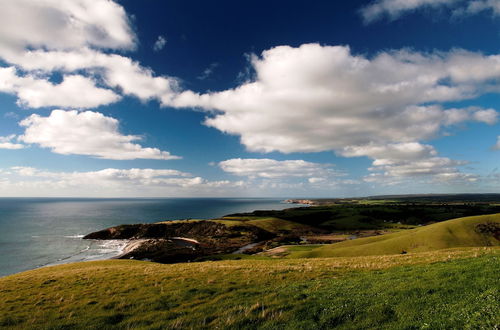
x: 36, y: 232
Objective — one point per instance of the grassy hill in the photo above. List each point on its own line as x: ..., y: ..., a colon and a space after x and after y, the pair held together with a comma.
x: 273, y: 225
x: 462, y: 232
x: 430, y: 290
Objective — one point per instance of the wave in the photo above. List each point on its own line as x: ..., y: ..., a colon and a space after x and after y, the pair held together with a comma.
x: 96, y: 250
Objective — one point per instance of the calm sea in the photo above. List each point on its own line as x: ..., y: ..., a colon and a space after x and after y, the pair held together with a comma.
x: 36, y: 232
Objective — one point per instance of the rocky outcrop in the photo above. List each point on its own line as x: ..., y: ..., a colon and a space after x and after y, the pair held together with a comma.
x: 192, y: 229
x: 300, y: 201
x: 180, y: 241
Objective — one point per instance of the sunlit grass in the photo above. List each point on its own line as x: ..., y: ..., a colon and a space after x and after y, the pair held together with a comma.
x: 441, y: 289
x: 452, y: 233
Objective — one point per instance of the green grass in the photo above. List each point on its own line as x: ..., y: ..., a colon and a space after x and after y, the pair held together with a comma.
x: 270, y: 224
x: 448, y: 234
x: 446, y: 289
x: 232, y: 256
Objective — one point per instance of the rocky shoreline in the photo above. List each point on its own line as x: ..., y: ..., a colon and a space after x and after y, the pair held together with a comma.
x: 301, y: 201
x: 182, y: 241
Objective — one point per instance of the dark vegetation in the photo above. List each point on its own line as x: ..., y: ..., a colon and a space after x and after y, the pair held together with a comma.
x: 355, y: 216
x: 419, y: 198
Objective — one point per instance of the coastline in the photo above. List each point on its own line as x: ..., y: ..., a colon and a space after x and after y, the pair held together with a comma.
x: 40, y: 232
x: 96, y: 250
x: 308, y: 202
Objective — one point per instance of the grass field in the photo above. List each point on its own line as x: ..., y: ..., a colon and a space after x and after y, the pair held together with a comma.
x: 455, y: 288
x: 460, y: 232
x: 270, y: 224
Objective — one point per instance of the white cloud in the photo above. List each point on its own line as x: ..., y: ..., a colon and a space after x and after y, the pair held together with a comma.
x: 134, y: 175
x: 401, y: 151
x: 117, y: 71
x: 6, y: 143
x: 393, y: 9
x: 208, y: 71
x: 488, y: 116
x: 456, y: 116
x: 317, y: 98
x: 110, y: 182
x: 69, y: 24
x: 477, y: 6
x: 266, y: 176
x: 86, y: 133
x: 316, y: 180
x: 270, y: 168
x: 159, y: 43
x: 73, y: 92
x: 393, y: 163
x: 52, y: 37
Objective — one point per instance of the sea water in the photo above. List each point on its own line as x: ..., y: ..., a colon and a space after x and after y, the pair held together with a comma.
x: 36, y: 232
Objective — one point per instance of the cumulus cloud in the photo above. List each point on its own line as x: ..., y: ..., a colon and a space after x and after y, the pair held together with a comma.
x: 306, y: 99
x: 116, y: 71
x: 86, y: 133
x: 6, y: 143
x: 72, y: 24
x: 159, y: 43
x: 21, y: 180
x: 456, y: 116
x: 406, y: 151
x: 74, y: 91
x: 477, y: 6
x: 316, y: 98
x: 70, y: 39
x: 393, y: 163
x: 393, y: 9
x: 270, y: 168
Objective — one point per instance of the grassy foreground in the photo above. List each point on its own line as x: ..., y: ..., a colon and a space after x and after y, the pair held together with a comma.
x: 457, y: 288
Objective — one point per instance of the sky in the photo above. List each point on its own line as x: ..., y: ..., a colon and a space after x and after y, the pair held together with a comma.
x: 102, y: 98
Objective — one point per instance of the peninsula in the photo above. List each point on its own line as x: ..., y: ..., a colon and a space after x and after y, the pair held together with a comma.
x: 326, y: 221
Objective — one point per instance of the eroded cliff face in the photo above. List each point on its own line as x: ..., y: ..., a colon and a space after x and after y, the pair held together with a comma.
x: 179, y: 241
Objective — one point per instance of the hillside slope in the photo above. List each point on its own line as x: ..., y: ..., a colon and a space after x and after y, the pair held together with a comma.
x: 463, y: 232
x: 390, y: 292
x: 272, y: 225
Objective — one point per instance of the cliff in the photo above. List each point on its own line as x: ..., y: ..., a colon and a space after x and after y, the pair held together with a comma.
x: 180, y: 241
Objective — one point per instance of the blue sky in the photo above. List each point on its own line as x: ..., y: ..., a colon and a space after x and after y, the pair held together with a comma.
x: 283, y: 98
